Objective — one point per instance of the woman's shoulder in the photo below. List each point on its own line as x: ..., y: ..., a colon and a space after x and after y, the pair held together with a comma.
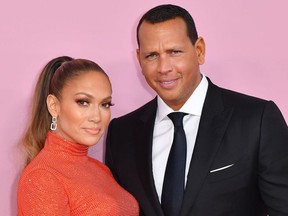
x: 101, y: 166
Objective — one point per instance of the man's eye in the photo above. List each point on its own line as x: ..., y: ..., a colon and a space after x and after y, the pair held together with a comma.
x: 175, y: 52
x: 151, y: 56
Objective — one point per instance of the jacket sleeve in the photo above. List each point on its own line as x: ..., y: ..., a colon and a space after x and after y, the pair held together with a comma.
x: 108, y: 150
x: 273, y: 161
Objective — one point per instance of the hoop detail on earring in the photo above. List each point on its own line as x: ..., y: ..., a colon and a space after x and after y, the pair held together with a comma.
x: 53, y: 125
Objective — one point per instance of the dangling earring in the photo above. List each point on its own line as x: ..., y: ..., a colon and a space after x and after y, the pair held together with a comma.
x: 53, y: 125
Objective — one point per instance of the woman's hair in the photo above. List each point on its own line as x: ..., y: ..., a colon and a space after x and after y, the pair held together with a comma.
x: 52, y: 79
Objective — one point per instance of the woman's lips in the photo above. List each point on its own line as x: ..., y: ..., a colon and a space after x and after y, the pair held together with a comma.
x: 93, y: 131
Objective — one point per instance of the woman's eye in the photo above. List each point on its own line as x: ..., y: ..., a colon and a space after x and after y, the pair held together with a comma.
x: 82, y: 102
x: 107, y: 105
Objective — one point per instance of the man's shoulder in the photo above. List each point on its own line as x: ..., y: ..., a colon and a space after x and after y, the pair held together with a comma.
x: 234, y: 96
x: 237, y: 97
x: 147, y: 108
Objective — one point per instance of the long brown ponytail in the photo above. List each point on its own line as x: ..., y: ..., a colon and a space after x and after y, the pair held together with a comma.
x: 34, y: 137
x: 52, y: 79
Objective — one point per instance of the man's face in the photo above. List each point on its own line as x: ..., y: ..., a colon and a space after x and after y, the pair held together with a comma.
x: 169, y: 61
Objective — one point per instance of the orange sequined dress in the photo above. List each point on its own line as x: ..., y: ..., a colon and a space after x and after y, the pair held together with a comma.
x: 63, y: 180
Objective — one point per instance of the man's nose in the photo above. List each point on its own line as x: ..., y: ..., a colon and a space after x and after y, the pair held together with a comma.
x: 164, y: 64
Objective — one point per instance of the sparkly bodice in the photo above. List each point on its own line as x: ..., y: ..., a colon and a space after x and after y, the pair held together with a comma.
x: 64, y: 180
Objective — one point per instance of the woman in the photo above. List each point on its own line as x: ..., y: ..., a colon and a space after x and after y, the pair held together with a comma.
x: 72, y: 99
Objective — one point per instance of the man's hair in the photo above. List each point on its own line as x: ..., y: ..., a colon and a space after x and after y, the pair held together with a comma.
x: 166, y: 12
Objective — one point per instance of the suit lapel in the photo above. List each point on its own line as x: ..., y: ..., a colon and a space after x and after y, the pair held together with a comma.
x: 213, y: 123
x: 144, y: 131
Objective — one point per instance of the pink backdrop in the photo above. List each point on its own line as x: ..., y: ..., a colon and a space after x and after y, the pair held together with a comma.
x: 246, y: 51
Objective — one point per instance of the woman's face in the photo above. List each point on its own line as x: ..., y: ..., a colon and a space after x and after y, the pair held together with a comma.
x: 83, y: 113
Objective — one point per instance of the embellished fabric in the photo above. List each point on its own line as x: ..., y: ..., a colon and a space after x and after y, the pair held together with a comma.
x: 64, y: 180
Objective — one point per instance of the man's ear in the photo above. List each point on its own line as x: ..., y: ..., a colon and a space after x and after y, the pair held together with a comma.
x: 138, y: 55
x: 200, y: 50
x: 139, y: 59
x: 52, y: 105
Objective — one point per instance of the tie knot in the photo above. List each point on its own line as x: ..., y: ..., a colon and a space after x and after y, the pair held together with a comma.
x: 177, y: 118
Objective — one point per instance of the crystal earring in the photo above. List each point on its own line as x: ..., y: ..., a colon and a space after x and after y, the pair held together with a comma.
x: 53, y: 125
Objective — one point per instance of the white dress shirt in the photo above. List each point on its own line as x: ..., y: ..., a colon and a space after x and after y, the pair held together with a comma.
x: 164, y: 130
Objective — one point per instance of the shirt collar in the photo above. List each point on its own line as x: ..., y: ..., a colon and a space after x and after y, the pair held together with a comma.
x: 192, y: 106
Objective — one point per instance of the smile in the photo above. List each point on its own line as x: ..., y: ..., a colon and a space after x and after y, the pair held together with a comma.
x: 168, y: 84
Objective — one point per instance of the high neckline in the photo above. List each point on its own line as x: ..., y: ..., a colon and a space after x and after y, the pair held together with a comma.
x: 58, y: 144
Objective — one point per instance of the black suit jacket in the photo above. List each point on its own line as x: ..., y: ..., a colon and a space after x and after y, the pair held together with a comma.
x: 247, y: 135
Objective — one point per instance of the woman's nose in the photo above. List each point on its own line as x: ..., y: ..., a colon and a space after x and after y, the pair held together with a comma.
x: 95, y: 115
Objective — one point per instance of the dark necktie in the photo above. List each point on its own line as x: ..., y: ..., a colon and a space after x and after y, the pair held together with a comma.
x: 174, y: 179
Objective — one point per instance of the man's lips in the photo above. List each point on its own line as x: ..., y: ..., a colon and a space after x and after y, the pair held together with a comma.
x: 168, y: 84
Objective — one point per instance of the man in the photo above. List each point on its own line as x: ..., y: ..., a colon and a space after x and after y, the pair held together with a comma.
x: 237, y: 145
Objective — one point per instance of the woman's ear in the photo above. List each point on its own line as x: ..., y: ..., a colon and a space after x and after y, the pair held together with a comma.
x: 52, y: 105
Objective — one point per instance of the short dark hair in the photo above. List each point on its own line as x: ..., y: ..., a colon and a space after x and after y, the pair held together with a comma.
x: 166, y: 12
